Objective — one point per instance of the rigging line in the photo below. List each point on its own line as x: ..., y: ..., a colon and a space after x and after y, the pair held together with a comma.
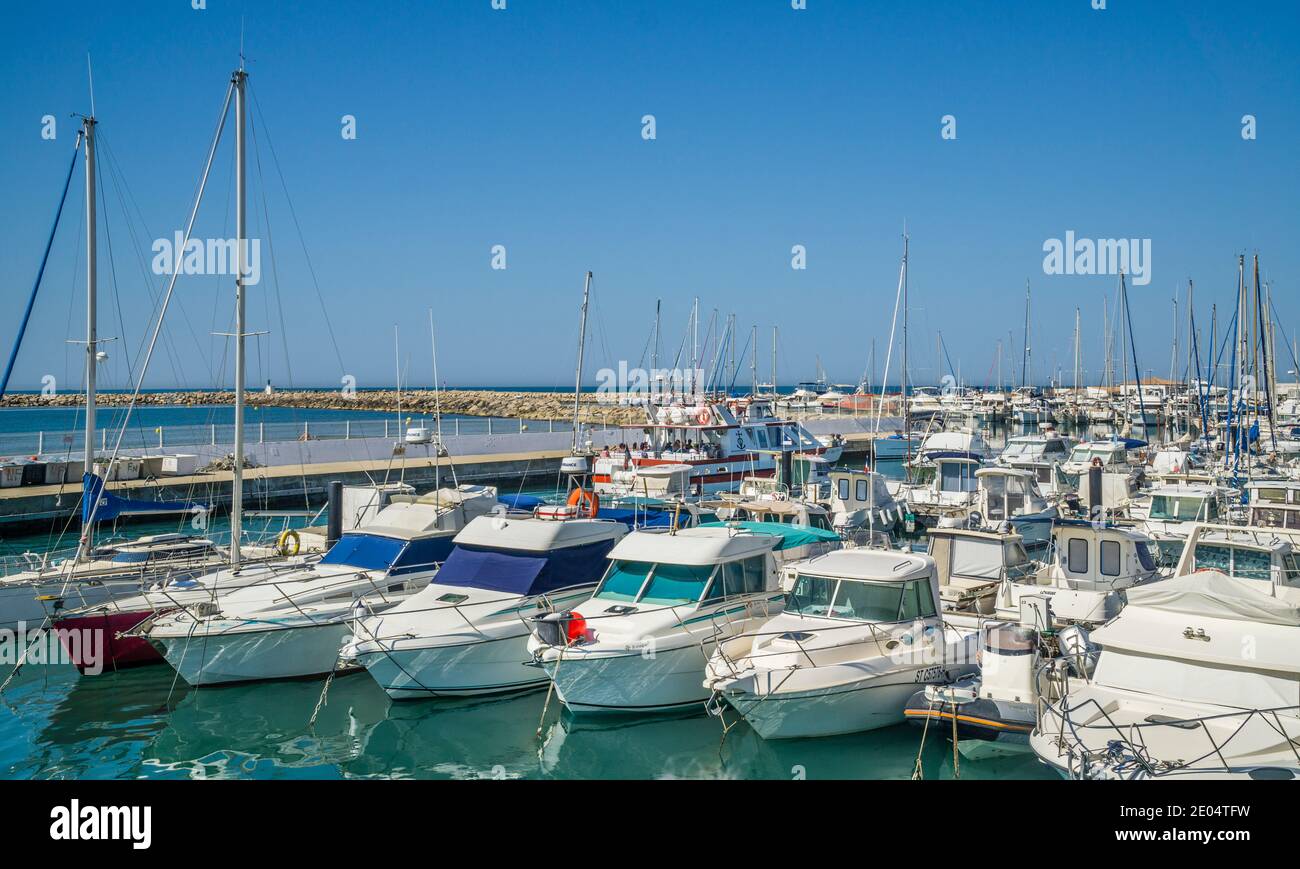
x: 293, y: 213
x: 171, y: 286
x: 114, y: 173
x: 275, y: 274
x: 40, y: 272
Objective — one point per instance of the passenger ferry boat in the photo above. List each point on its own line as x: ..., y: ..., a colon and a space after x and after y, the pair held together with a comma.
x: 720, y: 443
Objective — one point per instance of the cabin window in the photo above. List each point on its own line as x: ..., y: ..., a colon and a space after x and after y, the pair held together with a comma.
x: 811, y: 596
x: 1144, y: 557
x: 861, y: 491
x: 1110, y: 558
x: 1054, y: 446
x: 1209, y: 557
x: 1250, y: 564
x: 1291, y: 570
x: 1269, y: 518
x: 676, y: 583
x: 624, y: 580
x: 956, y: 477
x: 738, y: 577
x: 1077, y: 555
x: 843, y: 488
x: 1044, y: 475
x: 867, y: 601
x: 918, y: 603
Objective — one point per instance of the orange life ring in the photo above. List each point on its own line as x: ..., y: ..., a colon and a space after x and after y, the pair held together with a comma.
x: 704, y: 417
x: 588, y: 503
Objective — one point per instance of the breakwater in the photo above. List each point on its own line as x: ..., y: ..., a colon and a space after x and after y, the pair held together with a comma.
x: 468, y: 402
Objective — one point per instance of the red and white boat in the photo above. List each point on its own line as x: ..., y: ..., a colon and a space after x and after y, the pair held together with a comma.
x: 722, y: 443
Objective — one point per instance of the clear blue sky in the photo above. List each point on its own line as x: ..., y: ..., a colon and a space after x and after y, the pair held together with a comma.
x: 775, y: 127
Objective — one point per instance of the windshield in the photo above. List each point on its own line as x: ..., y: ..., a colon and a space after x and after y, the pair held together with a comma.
x: 676, y: 583
x: 1182, y: 508
x: 860, y: 600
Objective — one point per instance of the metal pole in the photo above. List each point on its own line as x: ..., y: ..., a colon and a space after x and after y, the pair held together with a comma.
x: 582, y: 341
x: 92, y: 337
x: 241, y: 258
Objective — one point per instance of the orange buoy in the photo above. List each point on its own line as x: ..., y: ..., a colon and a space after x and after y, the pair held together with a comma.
x: 588, y: 503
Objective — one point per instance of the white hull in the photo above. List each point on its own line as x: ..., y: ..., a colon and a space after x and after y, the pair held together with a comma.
x: 630, y: 682
x: 247, y: 656
x: 852, y: 707
x: 463, y: 669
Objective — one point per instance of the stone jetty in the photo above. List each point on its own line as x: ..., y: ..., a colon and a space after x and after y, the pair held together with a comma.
x: 470, y: 402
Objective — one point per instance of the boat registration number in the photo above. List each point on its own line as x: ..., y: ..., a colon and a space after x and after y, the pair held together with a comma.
x: 929, y: 674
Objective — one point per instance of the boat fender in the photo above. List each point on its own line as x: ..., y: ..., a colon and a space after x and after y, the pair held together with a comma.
x: 282, y: 543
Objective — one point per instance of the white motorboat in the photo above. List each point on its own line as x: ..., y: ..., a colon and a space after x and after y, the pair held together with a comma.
x: 860, y: 631
x: 466, y: 632
x: 1198, y: 677
x: 641, y: 643
x: 861, y: 499
x: 294, y: 625
x: 721, y: 444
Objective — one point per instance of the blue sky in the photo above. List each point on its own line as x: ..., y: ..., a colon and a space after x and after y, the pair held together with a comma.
x: 775, y: 127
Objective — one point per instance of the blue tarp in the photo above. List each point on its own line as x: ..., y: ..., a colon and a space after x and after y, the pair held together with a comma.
x: 521, y: 502
x: 376, y: 552
x: 524, y: 573
x: 111, y: 506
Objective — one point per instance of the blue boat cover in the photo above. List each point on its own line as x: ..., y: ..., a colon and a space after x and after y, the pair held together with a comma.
x: 521, y: 502
x: 524, y: 573
x: 398, y: 557
x: 111, y: 506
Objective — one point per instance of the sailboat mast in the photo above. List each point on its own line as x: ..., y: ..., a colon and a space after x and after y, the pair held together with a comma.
x: 774, y: 362
x: 582, y: 345
x: 907, y: 406
x: 753, y: 359
x: 92, y: 316
x: 241, y: 254
x: 1024, y: 360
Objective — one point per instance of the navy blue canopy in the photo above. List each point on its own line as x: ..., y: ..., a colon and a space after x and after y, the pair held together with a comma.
x: 524, y: 573
x: 377, y: 552
x: 521, y: 502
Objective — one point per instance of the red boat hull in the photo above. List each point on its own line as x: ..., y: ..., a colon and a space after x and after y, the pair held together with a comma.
x: 118, y: 652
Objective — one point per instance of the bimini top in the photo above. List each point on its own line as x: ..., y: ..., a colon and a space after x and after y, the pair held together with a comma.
x: 1210, y: 594
x: 536, y: 535
x: 870, y: 564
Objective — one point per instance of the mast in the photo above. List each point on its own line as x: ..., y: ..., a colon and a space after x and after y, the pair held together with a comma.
x: 92, y: 316
x: 582, y: 343
x: 773, y: 363
x: 1076, y: 355
x: 753, y: 359
x: 241, y: 255
x: 656, y: 391
x: 1024, y: 361
x: 907, y: 406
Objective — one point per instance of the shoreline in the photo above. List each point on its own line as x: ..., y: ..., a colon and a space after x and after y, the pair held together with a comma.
x: 556, y: 406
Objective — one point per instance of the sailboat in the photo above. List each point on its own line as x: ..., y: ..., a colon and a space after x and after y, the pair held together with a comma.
x: 96, y: 574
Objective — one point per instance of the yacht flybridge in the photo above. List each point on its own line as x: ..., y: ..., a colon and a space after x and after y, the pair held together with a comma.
x: 641, y: 643
x: 721, y: 444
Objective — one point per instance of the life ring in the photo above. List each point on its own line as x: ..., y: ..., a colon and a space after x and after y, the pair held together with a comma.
x: 704, y: 417
x: 587, y: 502
x: 282, y: 542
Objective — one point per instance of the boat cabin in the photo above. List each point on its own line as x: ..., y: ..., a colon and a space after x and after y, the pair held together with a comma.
x: 972, y: 564
x: 1274, y: 504
x: 1254, y: 556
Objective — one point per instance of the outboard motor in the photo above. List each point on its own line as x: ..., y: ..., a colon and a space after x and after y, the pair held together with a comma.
x: 1078, y: 650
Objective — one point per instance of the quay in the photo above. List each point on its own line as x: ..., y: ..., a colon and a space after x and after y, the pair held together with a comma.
x: 297, y: 473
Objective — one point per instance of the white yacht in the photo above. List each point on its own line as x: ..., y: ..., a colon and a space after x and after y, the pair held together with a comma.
x: 466, y: 632
x: 1112, y: 453
x: 1198, y: 677
x: 294, y: 625
x: 861, y: 499
x: 640, y: 644
x: 1043, y: 454
x: 860, y: 631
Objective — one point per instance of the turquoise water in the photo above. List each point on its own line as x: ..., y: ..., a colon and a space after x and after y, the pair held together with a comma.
x: 145, y: 723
